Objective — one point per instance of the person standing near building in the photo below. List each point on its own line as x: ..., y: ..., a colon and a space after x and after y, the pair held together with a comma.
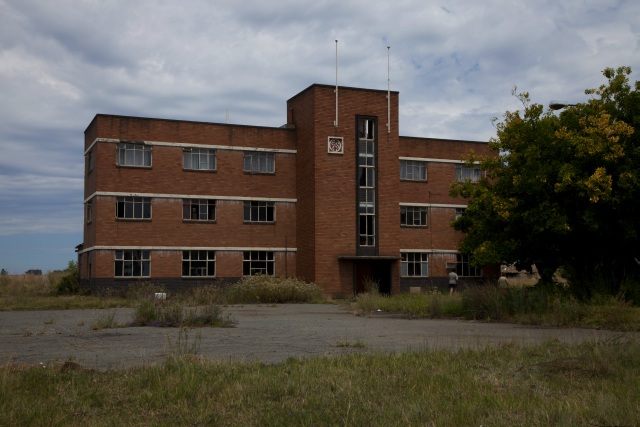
x: 453, y: 282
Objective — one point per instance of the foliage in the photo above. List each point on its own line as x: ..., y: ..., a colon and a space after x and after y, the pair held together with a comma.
x: 269, y: 289
x: 30, y: 292
x: 175, y: 314
x: 184, y: 345
x: 595, y: 383
x: 563, y: 190
x: 70, y: 282
x: 423, y: 305
x: 107, y: 321
x: 523, y: 305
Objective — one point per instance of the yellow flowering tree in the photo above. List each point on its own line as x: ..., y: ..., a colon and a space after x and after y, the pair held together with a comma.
x: 563, y: 190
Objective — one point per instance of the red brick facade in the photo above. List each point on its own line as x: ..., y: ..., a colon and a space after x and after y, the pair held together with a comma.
x: 314, y: 197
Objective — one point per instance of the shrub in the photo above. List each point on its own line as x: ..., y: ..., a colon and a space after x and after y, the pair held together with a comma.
x: 268, y: 289
x: 156, y: 313
x: 174, y: 314
x: 205, y: 295
x: 70, y: 282
x: 208, y: 315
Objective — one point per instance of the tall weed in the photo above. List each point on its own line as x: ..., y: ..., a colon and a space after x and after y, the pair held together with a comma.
x: 422, y: 305
x: 269, y: 289
x: 175, y: 314
x: 185, y: 344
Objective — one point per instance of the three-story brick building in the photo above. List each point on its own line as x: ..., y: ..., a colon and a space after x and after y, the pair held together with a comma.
x: 335, y: 196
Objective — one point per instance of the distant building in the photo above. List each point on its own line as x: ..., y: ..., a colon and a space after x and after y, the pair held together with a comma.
x: 342, y: 204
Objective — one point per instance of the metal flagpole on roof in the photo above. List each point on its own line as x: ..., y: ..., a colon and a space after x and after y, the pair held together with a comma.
x: 335, y: 123
x: 388, y: 90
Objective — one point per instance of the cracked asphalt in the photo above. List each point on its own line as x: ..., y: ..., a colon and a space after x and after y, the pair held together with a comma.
x: 264, y: 333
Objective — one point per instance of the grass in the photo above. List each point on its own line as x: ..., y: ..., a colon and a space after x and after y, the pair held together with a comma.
x: 550, y: 384
x: 32, y: 292
x: 199, y: 307
x: 422, y: 305
x: 270, y: 290
x: 514, y: 305
x: 185, y: 344
x: 105, y: 322
x: 157, y: 313
x: 351, y: 344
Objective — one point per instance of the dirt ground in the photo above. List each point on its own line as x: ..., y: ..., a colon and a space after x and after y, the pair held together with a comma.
x: 265, y: 333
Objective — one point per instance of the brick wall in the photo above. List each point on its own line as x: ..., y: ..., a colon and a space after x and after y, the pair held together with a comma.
x: 330, y: 204
x: 318, y: 217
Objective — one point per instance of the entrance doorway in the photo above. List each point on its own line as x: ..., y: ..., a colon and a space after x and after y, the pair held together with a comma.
x: 370, y: 274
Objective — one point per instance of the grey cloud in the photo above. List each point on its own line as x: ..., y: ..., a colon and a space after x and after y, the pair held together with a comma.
x: 454, y: 64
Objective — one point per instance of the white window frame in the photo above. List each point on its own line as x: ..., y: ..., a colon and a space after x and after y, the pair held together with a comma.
x: 206, y: 210
x: 259, y: 211
x: 463, y: 269
x: 90, y: 160
x: 408, y: 212
x: 259, y: 162
x: 198, y: 263
x: 133, y: 259
x: 201, y: 159
x: 135, y: 206
x: 89, y: 211
x: 464, y: 173
x: 413, y: 170
x: 133, y: 155
x: 411, y: 262
x: 258, y: 263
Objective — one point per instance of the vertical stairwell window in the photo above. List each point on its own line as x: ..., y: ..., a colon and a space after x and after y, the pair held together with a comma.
x: 366, y: 194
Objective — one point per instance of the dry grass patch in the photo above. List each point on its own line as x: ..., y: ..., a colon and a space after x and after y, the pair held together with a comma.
x: 270, y: 290
x: 40, y: 292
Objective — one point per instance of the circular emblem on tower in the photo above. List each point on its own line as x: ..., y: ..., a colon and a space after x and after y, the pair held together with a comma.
x: 335, y: 145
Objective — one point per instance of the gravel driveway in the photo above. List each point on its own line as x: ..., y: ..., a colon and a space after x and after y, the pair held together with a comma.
x: 266, y: 333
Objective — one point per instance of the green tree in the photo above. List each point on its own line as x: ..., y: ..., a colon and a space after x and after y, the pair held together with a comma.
x: 70, y: 282
x: 563, y: 190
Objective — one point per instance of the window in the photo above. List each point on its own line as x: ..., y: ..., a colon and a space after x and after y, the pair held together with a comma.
x: 89, y: 211
x: 414, y: 264
x: 413, y: 170
x: 367, y: 226
x: 413, y: 216
x: 258, y: 262
x: 128, y: 154
x: 199, y: 159
x: 459, y: 212
x: 198, y: 263
x: 464, y: 269
x: 464, y: 173
x: 366, y: 164
x: 259, y: 162
x: 90, y: 161
x: 366, y: 193
x: 199, y: 209
x: 132, y: 264
x: 255, y: 211
x: 133, y: 208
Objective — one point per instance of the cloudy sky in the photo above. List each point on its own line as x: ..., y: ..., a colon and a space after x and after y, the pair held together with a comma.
x: 454, y: 63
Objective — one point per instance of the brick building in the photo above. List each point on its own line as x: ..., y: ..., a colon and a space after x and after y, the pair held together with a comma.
x: 335, y: 196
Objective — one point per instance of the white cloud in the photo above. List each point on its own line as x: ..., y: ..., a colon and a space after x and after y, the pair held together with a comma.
x: 454, y: 64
